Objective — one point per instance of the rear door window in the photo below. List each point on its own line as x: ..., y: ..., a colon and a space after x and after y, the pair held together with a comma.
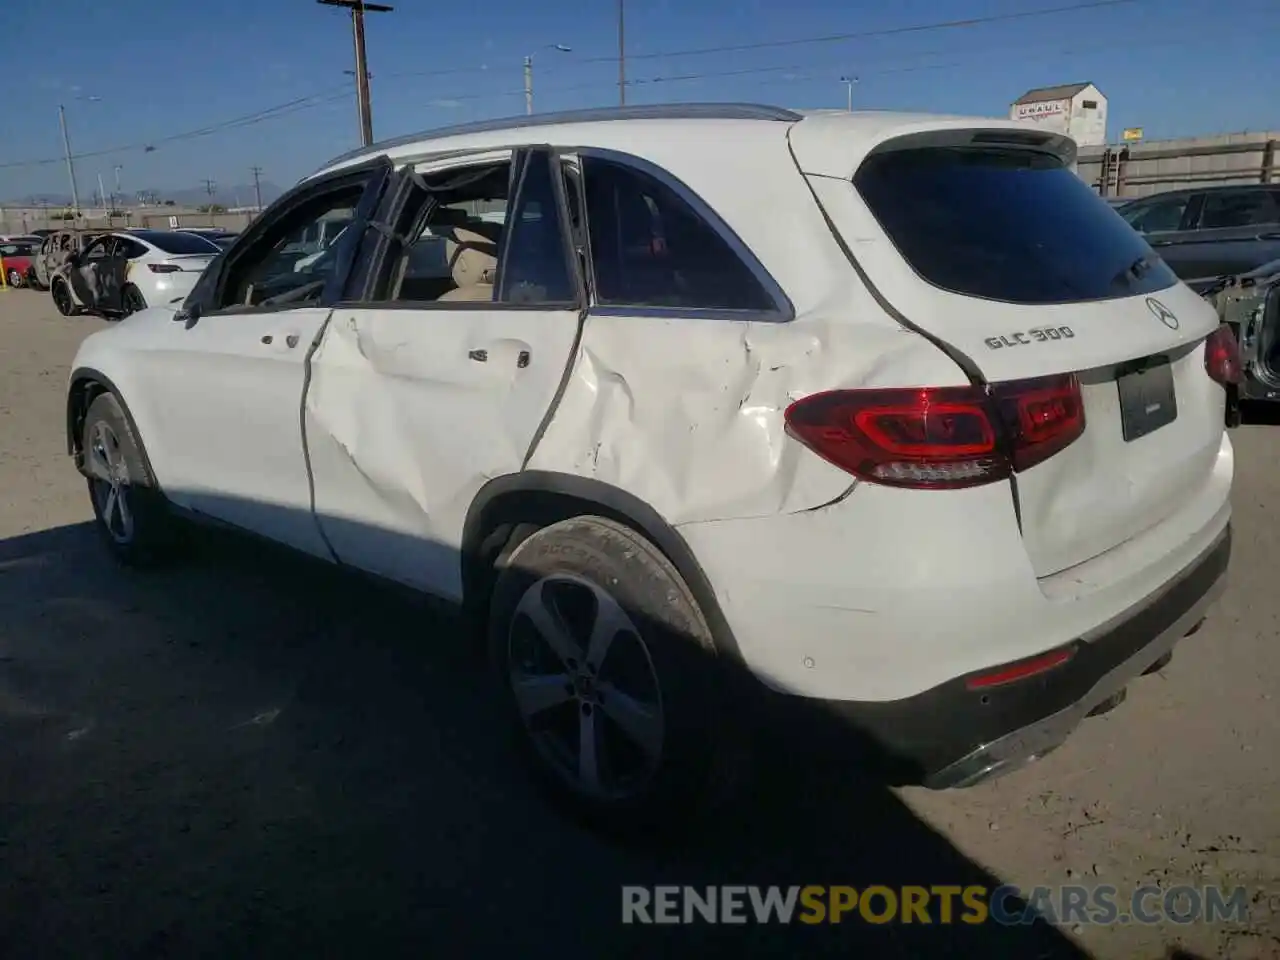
x: 649, y: 248
x: 1238, y: 208
x: 1006, y: 224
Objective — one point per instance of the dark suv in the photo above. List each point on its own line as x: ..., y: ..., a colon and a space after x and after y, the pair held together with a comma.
x: 1210, y: 232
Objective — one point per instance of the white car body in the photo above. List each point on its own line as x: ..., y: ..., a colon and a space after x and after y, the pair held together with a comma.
x: 161, y: 265
x: 878, y: 599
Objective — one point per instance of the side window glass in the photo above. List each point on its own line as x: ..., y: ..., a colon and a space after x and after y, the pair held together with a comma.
x: 535, y: 267
x: 1159, y: 216
x: 649, y: 248
x: 97, y: 251
x: 1238, y: 208
x: 293, y: 259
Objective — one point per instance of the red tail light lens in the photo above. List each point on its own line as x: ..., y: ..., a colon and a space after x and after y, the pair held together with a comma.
x: 164, y: 268
x: 1042, y: 416
x: 1222, y: 356
x: 940, y: 437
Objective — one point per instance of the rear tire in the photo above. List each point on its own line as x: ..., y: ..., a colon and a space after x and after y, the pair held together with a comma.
x: 15, y: 278
x: 609, y: 674
x: 132, y: 515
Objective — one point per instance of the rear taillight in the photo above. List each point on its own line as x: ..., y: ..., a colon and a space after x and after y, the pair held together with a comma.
x: 164, y: 268
x: 1222, y: 356
x: 940, y: 437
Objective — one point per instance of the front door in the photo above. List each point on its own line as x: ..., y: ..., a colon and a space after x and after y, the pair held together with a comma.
x: 233, y: 364
x: 418, y: 399
x: 97, y: 277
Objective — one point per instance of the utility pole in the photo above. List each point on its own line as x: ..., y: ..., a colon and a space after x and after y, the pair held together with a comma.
x: 71, y: 167
x: 211, y: 187
x: 358, y: 9
x: 257, y: 187
x: 622, y: 55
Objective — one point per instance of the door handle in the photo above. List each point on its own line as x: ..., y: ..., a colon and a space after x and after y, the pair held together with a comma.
x: 291, y: 340
x: 522, y: 361
x: 267, y: 338
x: 480, y: 356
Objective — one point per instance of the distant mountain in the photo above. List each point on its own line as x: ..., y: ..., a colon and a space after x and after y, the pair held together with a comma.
x: 229, y: 196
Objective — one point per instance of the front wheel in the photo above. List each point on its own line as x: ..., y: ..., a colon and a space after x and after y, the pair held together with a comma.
x: 62, y: 298
x: 609, y: 673
x: 131, y: 515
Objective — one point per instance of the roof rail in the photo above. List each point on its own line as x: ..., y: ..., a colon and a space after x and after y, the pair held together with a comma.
x: 662, y: 111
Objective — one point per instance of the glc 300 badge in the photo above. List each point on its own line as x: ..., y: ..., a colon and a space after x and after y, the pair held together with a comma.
x: 1035, y: 335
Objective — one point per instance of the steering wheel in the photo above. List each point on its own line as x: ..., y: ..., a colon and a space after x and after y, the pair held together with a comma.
x: 297, y: 293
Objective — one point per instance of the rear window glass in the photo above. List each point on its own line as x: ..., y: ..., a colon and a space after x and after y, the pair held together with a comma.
x: 176, y: 242
x: 1005, y: 224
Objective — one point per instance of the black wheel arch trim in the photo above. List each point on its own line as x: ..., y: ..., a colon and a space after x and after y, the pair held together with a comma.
x: 487, y: 510
x: 79, y: 375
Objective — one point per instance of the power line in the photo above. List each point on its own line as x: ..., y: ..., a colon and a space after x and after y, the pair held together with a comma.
x: 331, y: 95
x: 863, y: 34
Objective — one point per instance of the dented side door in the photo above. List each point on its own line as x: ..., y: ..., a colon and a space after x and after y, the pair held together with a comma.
x: 413, y: 406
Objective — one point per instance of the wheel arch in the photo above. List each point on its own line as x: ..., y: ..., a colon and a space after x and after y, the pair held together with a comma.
x: 86, y: 385
x: 539, y: 498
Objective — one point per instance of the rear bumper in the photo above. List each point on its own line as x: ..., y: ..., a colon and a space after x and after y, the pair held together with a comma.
x: 952, y: 736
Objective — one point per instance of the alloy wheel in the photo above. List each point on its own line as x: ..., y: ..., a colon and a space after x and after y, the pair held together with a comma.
x: 62, y: 299
x: 109, y: 472
x: 585, y: 687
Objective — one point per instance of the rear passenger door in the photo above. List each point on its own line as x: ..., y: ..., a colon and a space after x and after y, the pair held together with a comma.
x: 425, y: 387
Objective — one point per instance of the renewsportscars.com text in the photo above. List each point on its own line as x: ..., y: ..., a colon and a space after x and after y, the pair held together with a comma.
x: 1006, y: 905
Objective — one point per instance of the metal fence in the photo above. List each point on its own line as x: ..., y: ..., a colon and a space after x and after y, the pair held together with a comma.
x: 1140, y: 169
x: 24, y: 220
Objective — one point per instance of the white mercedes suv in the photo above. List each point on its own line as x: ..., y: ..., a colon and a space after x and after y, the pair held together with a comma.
x: 883, y: 419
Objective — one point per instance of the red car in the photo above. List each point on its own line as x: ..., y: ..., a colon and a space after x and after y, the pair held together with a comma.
x: 18, y: 257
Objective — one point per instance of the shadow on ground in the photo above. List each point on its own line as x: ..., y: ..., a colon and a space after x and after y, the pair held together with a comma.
x: 255, y: 755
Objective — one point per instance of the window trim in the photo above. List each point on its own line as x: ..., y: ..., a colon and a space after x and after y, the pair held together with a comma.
x: 783, y: 311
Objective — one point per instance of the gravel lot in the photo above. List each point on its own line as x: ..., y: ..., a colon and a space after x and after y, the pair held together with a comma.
x: 251, y: 756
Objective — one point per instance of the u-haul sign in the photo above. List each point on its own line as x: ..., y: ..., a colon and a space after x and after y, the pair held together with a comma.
x: 1042, y: 110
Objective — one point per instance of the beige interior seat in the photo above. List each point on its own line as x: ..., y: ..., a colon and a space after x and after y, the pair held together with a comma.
x: 472, y: 252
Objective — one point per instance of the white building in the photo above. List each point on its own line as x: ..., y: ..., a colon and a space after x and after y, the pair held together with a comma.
x: 1078, y: 110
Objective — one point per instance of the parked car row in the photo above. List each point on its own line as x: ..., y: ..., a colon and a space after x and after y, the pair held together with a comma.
x: 1206, y: 233
x: 881, y: 423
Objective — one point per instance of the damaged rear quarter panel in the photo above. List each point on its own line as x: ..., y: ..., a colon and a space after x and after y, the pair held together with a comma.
x: 687, y: 414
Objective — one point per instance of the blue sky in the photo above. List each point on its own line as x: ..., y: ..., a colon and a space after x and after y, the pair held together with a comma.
x: 161, y: 69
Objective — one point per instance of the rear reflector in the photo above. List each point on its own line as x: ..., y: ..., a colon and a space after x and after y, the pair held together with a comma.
x: 1222, y: 356
x: 164, y: 268
x: 1021, y: 670
x: 940, y: 437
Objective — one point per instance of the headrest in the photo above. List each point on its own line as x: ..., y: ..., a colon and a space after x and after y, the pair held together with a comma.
x: 472, y: 253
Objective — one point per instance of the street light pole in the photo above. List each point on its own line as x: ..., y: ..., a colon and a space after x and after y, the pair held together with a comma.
x: 849, y: 82
x: 528, y: 75
x: 71, y: 167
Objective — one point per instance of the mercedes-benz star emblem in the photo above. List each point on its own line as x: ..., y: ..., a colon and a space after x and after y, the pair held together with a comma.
x: 1162, y: 313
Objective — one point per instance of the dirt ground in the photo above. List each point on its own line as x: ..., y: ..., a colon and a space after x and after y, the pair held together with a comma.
x: 252, y: 756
